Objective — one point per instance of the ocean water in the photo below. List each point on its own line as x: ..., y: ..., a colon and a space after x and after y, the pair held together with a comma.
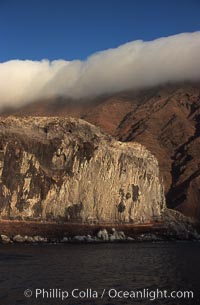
x: 112, y: 268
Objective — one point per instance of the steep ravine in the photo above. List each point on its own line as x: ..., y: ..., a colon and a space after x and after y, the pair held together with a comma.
x: 63, y: 169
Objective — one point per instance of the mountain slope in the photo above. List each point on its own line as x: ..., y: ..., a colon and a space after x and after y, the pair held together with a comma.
x: 168, y: 124
x: 165, y: 119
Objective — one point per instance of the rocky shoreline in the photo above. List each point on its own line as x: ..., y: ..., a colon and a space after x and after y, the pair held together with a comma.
x: 103, y: 236
x: 175, y: 227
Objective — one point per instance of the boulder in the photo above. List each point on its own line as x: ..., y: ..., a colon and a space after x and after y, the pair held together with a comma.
x: 39, y: 239
x: 112, y: 238
x: 64, y: 240
x: 29, y: 239
x: 117, y: 235
x: 103, y: 234
x: 130, y: 238
x: 19, y: 239
x: 148, y: 237
x: 90, y: 239
x: 4, y: 239
x: 180, y: 226
x: 79, y: 238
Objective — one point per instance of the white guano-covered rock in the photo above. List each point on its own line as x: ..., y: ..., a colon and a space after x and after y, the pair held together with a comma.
x: 62, y: 169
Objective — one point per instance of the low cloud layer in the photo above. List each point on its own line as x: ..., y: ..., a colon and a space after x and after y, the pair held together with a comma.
x: 134, y: 65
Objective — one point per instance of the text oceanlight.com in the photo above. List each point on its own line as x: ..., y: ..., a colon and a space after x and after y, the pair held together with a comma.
x: 112, y: 293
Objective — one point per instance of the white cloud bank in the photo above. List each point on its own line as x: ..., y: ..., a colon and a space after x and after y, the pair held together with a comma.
x: 133, y: 65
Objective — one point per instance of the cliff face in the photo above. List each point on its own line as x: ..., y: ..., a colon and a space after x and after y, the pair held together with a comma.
x: 165, y: 119
x: 66, y: 169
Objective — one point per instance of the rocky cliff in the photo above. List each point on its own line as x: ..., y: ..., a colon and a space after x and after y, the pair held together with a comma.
x: 68, y: 170
x: 165, y: 119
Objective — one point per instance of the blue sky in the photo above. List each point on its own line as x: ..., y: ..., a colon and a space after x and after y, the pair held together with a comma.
x: 37, y: 29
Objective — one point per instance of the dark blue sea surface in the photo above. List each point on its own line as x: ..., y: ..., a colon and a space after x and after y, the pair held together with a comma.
x: 122, y: 267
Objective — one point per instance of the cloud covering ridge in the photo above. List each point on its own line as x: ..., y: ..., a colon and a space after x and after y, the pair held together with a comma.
x: 134, y: 65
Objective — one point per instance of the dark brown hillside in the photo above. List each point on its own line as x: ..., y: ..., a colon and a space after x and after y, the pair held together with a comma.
x: 168, y: 124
